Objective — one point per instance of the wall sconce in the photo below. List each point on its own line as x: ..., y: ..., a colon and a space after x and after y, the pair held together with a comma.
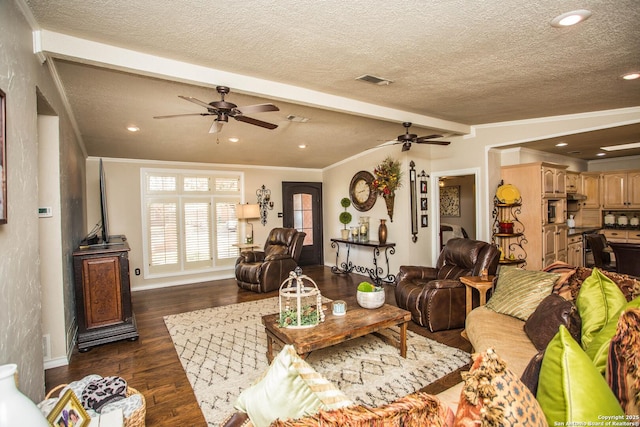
x: 264, y: 200
x: 248, y: 212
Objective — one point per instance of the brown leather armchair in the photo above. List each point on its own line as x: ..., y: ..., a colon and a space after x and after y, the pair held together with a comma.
x: 264, y: 271
x: 434, y: 295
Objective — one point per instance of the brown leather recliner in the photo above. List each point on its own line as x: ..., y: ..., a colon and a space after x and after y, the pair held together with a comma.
x: 264, y: 271
x: 434, y: 295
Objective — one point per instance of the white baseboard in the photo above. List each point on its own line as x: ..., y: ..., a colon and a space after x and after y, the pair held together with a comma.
x: 55, y: 363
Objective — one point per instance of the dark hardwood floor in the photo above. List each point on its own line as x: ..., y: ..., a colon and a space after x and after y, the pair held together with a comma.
x: 151, y: 365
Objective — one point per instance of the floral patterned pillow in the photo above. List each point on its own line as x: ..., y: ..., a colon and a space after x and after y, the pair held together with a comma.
x: 623, y: 368
x: 492, y: 395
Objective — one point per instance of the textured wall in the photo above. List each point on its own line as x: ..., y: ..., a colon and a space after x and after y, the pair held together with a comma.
x: 21, y: 78
x: 20, y: 329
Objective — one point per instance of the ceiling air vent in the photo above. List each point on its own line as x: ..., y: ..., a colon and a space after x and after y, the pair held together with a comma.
x: 373, y: 79
x: 297, y: 119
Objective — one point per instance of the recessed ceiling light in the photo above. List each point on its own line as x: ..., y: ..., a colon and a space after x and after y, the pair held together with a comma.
x: 302, y: 145
x: 601, y: 154
x: 561, y: 144
x: 631, y: 76
x: 234, y: 139
x: 570, y: 18
x: 133, y: 128
x: 621, y: 146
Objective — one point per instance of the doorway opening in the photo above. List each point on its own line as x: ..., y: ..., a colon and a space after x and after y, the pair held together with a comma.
x: 456, y: 210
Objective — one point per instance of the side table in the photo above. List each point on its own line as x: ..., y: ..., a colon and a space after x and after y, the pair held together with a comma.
x: 476, y: 282
x: 242, y: 246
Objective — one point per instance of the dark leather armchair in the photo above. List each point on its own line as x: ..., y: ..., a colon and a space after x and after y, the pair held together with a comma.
x: 264, y: 271
x: 598, y: 243
x: 627, y: 256
x: 434, y: 295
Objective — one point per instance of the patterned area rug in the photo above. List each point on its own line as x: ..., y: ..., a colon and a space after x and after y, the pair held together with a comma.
x: 223, y: 350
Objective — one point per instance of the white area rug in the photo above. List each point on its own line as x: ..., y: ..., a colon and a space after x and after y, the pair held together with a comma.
x: 223, y: 350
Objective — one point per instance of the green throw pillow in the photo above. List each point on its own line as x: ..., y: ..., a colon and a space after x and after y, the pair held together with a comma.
x: 570, y: 389
x: 598, y: 300
x: 518, y: 292
x: 598, y: 348
x: 290, y: 388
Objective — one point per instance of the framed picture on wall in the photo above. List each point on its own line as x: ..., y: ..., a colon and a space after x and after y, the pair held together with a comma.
x: 423, y: 187
x: 450, y: 201
x: 424, y: 220
x: 424, y: 204
x: 3, y: 160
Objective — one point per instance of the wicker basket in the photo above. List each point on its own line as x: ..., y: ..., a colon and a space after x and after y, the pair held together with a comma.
x: 137, y: 419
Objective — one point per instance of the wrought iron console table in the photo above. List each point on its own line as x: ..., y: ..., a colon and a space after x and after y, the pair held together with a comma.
x: 378, y: 274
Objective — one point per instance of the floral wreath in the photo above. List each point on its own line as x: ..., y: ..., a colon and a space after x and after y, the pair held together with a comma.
x: 388, y: 176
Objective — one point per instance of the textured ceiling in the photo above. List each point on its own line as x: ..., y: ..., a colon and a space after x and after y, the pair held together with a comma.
x: 461, y: 61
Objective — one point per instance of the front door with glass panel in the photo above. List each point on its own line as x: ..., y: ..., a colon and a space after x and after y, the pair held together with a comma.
x: 302, y: 210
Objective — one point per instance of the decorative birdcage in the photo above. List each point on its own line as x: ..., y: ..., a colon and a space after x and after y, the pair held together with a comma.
x: 300, y: 302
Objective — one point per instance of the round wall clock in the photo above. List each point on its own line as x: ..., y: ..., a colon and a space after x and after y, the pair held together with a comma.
x: 362, y: 195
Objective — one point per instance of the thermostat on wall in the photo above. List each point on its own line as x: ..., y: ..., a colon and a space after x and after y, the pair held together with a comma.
x: 45, y: 212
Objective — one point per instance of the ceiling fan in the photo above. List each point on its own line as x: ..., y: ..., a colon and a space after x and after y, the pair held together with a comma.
x: 223, y: 110
x: 411, y: 138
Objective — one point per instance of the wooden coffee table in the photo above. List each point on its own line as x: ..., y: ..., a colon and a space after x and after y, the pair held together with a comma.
x: 355, y: 323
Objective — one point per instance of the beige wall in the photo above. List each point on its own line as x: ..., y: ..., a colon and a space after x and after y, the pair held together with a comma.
x: 124, y: 203
x: 336, y: 181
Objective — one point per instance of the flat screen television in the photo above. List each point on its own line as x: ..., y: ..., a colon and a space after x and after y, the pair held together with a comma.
x: 104, y: 217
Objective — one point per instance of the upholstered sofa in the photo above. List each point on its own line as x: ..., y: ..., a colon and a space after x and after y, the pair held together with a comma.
x: 495, y: 391
x: 506, y: 334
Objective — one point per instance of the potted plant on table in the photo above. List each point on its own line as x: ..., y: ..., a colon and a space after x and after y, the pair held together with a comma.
x: 345, y: 217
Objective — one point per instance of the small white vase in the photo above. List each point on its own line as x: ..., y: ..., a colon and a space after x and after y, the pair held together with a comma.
x: 16, y: 408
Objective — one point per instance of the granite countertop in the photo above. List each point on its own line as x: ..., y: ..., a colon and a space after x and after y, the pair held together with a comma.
x: 582, y: 230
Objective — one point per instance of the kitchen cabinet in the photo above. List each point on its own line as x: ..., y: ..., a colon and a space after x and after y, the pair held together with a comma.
x: 590, y: 187
x: 573, y: 182
x: 621, y: 190
x: 575, y: 250
x: 545, y: 241
x: 621, y: 236
x: 554, y: 244
x: 554, y: 180
x: 103, y: 294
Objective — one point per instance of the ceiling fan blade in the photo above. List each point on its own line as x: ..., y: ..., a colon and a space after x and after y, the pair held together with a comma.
x: 216, y: 126
x: 434, y: 136
x: 434, y: 142
x: 182, y: 115
x: 258, y: 108
x: 255, y: 122
x: 197, y: 101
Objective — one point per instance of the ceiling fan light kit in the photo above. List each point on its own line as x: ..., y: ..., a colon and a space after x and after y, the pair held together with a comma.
x: 223, y: 110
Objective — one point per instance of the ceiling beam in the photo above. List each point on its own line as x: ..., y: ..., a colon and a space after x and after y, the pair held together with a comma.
x: 62, y: 46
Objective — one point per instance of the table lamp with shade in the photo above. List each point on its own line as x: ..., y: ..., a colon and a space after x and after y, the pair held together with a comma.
x: 247, y: 212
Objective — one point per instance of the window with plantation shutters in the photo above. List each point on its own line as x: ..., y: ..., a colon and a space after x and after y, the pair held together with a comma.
x: 197, y: 234
x: 163, y: 233
x: 190, y: 223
